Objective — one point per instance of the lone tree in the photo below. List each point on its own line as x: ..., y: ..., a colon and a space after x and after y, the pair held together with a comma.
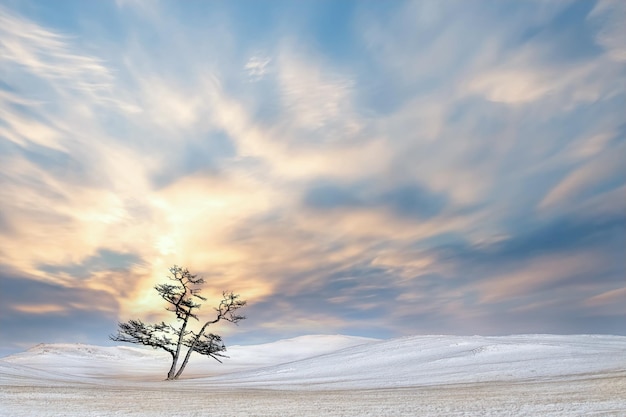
x: 181, y: 296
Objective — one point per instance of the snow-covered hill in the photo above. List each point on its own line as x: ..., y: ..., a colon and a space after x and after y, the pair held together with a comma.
x: 347, y: 362
x: 130, y: 362
x: 582, y: 372
x: 434, y: 360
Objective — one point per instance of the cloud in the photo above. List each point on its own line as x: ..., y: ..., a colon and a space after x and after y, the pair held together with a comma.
x: 560, y: 60
x: 104, y: 260
x: 608, y: 303
x: 535, y: 279
x: 527, y: 79
x: 608, y: 16
x: 40, y: 311
x: 49, y: 61
x: 537, y: 275
x: 512, y: 86
x: 433, y: 167
x: 316, y: 99
x: 603, y: 169
x: 555, y: 235
x: 411, y: 201
x: 46, y: 54
x: 257, y: 67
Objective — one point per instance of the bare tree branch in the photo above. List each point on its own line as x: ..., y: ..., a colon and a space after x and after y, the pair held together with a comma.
x: 180, y: 297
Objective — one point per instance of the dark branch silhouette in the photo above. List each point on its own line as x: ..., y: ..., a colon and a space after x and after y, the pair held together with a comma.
x: 182, y: 296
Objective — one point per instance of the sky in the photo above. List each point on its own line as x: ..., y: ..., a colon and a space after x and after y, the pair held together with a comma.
x: 365, y: 168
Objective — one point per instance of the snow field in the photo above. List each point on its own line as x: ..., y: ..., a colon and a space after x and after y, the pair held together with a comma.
x: 599, y: 396
x: 526, y: 375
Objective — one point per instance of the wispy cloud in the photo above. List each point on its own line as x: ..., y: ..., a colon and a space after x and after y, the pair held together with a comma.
x: 608, y: 16
x: 430, y: 163
x: 597, y: 173
x: 46, y: 54
x: 257, y: 67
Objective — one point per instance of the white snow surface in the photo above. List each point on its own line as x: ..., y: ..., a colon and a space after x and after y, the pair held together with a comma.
x: 328, y: 375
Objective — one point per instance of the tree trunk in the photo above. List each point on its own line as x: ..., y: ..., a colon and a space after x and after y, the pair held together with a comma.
x: 182, y: 366
x: 172, y: 372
